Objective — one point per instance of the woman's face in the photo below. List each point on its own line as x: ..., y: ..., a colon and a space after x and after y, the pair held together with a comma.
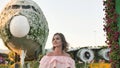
x: 57, y: 42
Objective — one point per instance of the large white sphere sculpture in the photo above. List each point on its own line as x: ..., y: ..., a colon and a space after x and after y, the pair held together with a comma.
x: 19, y: 26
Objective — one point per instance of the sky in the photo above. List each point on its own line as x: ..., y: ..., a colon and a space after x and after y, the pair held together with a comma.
x: 81, y: 21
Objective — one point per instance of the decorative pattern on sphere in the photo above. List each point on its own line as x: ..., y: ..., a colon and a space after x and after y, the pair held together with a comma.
x: 38, y: 32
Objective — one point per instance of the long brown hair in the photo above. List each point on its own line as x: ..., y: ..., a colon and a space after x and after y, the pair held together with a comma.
x: 64, y: 42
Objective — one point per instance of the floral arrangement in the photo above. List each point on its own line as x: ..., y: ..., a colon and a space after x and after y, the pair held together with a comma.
x: 112, y: 33
x: 38, y: 25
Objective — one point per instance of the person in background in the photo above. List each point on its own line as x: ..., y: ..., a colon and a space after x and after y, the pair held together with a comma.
x: 58, y: 58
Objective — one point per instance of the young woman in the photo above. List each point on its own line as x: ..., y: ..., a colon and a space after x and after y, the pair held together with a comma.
x: 58, y: 58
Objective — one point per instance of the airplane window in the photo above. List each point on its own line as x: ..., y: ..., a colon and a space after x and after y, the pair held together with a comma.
x: 9, y: 7
x: 26, y: 6
x: 15, y: 6
x: 34, y: 8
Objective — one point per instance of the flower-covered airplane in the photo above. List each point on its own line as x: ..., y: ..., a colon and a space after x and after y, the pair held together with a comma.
x: 23, y: 28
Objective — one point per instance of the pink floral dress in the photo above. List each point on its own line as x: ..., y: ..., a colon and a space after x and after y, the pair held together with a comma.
x: 57, y: 62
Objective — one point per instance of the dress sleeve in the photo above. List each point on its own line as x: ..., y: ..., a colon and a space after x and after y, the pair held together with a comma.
x: 73, y: 64
x: 70, y: 63
x: 44, y: 62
